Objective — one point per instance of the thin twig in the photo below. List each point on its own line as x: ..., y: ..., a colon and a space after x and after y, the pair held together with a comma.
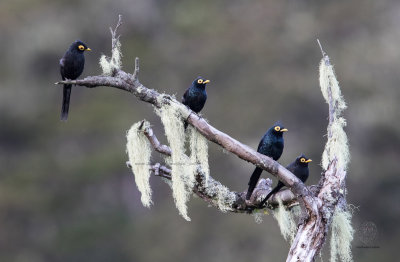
x: 136, y: 72
x: 161, y: 171
x: 163, y: 149
x: 320, y: 46
x: 114, y: 37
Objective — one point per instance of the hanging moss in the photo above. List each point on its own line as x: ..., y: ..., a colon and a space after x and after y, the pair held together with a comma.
x: 337, y: 145
x: 286, y: 220
x: 182, y: 173
x: 139, y: 152
x: 336, y: 148
x: 199, y: 151
x: 342, y: 235
x: 109, y: 64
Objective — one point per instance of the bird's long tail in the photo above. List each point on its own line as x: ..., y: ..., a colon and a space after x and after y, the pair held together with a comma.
x: 65, y: 104
x: 273, y: 191
x: 253, y: 181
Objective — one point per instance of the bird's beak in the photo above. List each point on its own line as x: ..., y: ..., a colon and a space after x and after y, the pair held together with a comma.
x: 308, y: 161
x: 207, y: 81
x: 88, y: 49
x: 284, y: 130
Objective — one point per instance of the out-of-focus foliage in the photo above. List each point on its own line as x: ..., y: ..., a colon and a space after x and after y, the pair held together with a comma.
x: 65, y: 192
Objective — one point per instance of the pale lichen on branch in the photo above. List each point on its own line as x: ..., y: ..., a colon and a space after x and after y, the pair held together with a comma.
x: 109, y: 65
x: 139, y: 152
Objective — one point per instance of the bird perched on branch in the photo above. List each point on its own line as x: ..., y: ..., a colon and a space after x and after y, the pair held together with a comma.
x: 71, y: 67
x: 270, y: 145
x: 196, y: 96
x: 299, y: 168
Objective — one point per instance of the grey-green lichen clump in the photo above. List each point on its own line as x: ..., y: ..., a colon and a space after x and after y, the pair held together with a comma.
x: 286, y: 220
x: 182, y: 173
x: 337, y: 144
x: 336, y: 148
x: 199, y: 151
x: 342, y: 235
x: 219, y: 194
x: 139, y: 152
x: 109, y: 64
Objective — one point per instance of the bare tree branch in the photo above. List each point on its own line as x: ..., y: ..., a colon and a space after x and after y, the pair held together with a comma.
x: 320, y: 47
x: 163, y: 149
x: 114, y: 36
x: 161, y: 171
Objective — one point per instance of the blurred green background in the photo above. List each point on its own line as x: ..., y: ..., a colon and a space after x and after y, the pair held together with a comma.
x: 65, y: 192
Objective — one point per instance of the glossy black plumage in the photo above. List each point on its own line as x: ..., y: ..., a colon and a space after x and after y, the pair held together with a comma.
x: 71, y: 67
x: 270, y: 145
x: 299, y: 168
x: 196, y: 96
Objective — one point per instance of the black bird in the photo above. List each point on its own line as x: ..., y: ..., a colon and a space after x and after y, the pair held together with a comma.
x: 71, y: 67
x: 299, y: 168
x: 196, y: 96
x: 270, y: 145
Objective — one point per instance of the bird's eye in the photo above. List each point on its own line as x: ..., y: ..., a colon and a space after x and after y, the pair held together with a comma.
x: 81, y: 47
x: 302, y: 160
x: 200, y: 81
x: 277, y: 128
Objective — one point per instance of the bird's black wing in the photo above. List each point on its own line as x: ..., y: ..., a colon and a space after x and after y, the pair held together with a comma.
x: 185, y: 102
x: 260, y: 144
x: 255, y: 176
x: 62, y: 62
x: 291, y: 167
x: 184, y: 97
x: 62, y: 66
